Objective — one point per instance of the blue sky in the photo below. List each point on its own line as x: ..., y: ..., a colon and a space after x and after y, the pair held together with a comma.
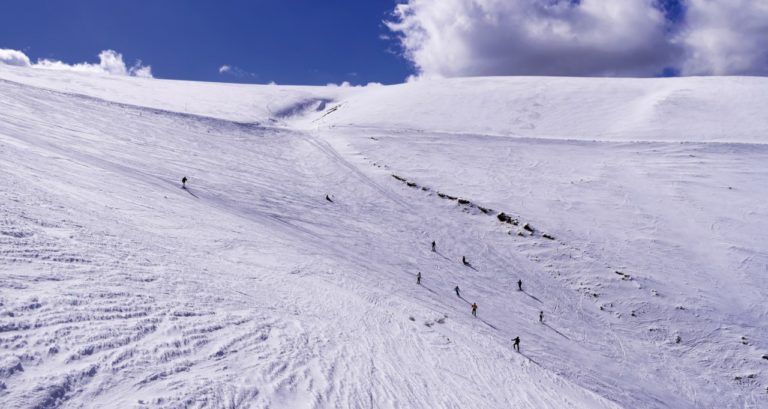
x: 332, y: 41
x: 286, y: 41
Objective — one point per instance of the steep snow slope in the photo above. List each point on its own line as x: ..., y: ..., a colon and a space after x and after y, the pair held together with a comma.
x: 665, y: 241
x: 118, y: 289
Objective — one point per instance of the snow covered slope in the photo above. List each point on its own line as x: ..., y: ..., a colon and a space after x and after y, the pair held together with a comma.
x: 730, y: 109
x: 250, y: 289
x: 262, y: 104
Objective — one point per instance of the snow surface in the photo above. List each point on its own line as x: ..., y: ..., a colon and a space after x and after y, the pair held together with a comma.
x: 722, y: 109
x: 249, y: 289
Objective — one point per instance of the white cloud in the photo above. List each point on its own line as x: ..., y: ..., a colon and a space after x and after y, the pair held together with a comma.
x: 141, y: 71
x: 726, y: 37
x: 235, y: 71
x: 347, y: 84
x: 587, y: 37
x: 13, y: 57
x: 110, y: 62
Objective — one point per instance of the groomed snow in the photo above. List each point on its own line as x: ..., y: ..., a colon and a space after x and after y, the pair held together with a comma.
x: 250, y: 289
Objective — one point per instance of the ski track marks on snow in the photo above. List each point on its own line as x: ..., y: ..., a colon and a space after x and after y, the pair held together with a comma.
x: 647, y: 312
x: 121, y: 289
x: 248, y: 289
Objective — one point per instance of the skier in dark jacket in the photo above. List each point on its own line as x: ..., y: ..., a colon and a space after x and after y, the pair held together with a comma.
x: 418, y: 278
x: 519, y: 285
x: 464, y: 260
x: 516, y: 344
x: 184, y: 182
x: 433, y: 245
x: 457, y: 291
x: 541, y: 317
x: 474, y: 309
x: 328, y: 198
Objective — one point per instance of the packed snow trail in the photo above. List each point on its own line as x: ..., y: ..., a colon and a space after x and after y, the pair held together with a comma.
x: 119, y: 289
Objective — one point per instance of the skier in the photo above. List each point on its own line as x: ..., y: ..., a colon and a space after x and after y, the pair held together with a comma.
x: 464, y: 260
x: 519, y: 285
x: 516, y: 344
x: 418, y: 278
x: 433, y: 245
x: 457, y: 291
x: 184, y: 182
x: 328, y: 199
x: 541, y: 317
x: 474, y: 309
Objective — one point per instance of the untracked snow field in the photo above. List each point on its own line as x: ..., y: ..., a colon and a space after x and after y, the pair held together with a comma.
x: 633, y: 211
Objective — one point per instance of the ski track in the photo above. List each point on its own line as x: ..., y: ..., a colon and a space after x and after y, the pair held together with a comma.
x: 118, y: 289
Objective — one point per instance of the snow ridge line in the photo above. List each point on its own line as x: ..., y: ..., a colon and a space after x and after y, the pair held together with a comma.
x: 213, y: 121
x: 546, y: 139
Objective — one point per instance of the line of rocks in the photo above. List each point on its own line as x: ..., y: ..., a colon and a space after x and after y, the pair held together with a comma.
x: 468, y: 204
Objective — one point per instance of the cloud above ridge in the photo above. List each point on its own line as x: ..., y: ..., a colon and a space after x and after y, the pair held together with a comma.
x: 583, y: 37
x: 110, y: 62
x: 14, y: 57
x: 237, y: 72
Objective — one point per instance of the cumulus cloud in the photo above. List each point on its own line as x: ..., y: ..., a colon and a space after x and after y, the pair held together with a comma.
x: 347, y: 84
x: 14, y: 57
x: 344, y: 84
x: 110, y: 62
x: 726, y: 37
x: 582, y: 37
x: 141, y: 71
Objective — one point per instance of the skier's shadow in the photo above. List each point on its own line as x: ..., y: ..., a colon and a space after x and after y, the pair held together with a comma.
x: 524, y: 292
x: 190, y: 192
x: 441, y: 255
x: 483, y: 321
x: 529, y: 358
x: 464, y: 299
x: 429, y: 289
x: 488, y: 323
x: 468, y: 264
x: 558, y: 332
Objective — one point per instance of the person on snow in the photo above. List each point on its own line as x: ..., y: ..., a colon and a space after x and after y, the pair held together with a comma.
x: 184, y: 182
x: 328, y: 198
x: 519, y: 285
x: 474, y: 309
x: 516, y: 344
x: 433, y: 245
x: 464, y: 260
x: 418, y: 278
x: 541, y: 317
x: 457, y: 291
